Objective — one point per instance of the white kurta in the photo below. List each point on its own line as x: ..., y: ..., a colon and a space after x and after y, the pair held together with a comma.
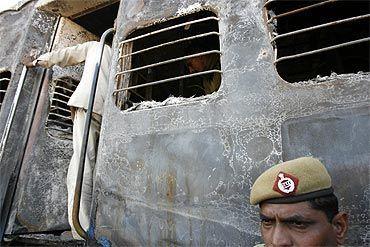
x: 87, y: 52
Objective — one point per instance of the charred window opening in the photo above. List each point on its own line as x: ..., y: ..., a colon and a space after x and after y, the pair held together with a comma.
x: 59, y: 120
x: 179, y: 57
x: 317, y: 38
x: 100, y: 20
x: 4, y: 83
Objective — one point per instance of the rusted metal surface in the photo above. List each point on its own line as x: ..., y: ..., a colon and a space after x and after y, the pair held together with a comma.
x: 180, y: 174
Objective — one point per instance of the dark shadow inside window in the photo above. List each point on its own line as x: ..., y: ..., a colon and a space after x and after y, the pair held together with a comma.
x: 100, y: 20
x: 4, y: 83
x: 186, y: 87
x: 341, y: 60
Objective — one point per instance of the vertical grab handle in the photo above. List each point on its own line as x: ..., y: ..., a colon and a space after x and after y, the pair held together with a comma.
x: 81, y: 167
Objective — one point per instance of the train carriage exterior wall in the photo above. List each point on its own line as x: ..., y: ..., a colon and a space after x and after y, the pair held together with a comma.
x: 180, y: 173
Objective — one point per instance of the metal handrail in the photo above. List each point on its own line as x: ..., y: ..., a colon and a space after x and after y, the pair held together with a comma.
x: 79, y: 181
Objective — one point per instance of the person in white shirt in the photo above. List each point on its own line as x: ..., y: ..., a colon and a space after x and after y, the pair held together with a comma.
x: 88, y: 53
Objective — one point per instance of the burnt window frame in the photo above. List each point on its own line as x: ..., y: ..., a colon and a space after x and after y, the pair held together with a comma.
x: 273, y: 36
x: 59, y: 105
x: 124, y: 66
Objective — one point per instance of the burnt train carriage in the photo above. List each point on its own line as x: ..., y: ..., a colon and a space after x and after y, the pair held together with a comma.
x: 295, y: 80
x: 175, y: 164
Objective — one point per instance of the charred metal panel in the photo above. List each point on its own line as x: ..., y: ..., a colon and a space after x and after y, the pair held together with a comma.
x: 341, y: 140
x: 40, y: 203
x: 24, y: 33
x: 73, y: 8
x: 182, y: 173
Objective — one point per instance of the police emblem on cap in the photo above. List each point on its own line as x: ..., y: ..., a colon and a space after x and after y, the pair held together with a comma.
x: 285, y: 184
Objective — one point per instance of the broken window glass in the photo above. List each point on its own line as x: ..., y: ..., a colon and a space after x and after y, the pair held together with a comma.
x: 179, y: 57
x: 318, y: 38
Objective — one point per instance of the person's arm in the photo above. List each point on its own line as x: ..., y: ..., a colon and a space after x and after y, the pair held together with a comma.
x: 65, y: 57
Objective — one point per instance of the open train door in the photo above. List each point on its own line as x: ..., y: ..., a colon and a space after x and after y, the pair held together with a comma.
x: 39, y: 200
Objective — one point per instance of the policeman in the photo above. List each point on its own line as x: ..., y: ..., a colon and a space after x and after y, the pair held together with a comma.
x: 298, y: 206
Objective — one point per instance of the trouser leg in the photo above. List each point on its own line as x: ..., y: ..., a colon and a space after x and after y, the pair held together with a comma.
x: 85, y: 202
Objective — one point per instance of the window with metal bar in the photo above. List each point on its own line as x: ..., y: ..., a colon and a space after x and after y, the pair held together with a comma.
x: 317, y: 38
x: 4, y: 83
x: 179, y: 57
x: 59, y: 122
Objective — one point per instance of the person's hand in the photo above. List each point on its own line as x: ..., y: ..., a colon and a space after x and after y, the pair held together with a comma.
x: 28, y: 61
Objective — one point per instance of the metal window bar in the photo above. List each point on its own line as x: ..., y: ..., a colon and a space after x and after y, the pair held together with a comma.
x: 137, y: 94
x: 321, y: 26
x: 269, y: 1
x: 53, y: 108
x: 168, y: 80
x: 168, y: 61
x: 66, y: 82
x: 58, y: 129
x: 4, y: 79
x: 60, y: 116
x: 298, y: 10
x: 61, y: 101
x: 321, y: 50
x: 171, y: 43
x: 169, y: 28
x: 63, y: 88
x: 61, y: 94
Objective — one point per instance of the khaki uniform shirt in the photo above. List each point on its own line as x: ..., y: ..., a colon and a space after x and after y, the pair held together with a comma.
x: 73, y: 55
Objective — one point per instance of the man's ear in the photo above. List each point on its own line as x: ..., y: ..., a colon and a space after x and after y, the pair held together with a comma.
x: 340, y: 225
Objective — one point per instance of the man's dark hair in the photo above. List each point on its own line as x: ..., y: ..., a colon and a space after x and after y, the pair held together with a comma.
x: 328, y: 204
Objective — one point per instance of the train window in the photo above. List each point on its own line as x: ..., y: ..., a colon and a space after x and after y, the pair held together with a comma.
x: 317, y: 38
x: 178, y: 57
x: 4, y: 83
x: 59, y: 122
x: 99, y: 20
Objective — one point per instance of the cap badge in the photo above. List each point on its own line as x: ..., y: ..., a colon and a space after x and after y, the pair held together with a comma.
x: 285, y: 184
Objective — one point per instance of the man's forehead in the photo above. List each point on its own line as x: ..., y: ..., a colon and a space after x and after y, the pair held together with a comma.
x: 300, y: 209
